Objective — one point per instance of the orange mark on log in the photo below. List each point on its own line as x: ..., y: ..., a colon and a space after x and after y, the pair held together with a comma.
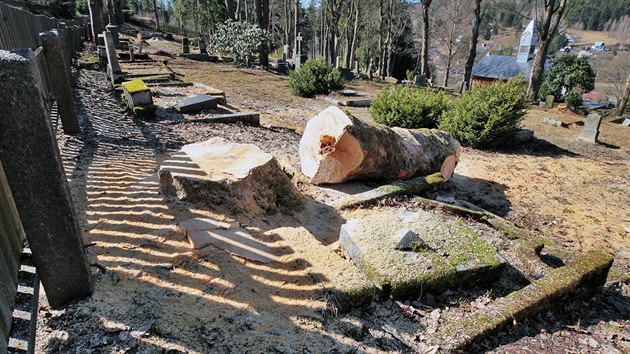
x: 327, y: 144
x: 402, y: 174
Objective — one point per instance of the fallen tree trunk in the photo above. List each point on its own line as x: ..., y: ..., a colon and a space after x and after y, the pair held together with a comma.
x: 412, y: 186
x: 338, y: 147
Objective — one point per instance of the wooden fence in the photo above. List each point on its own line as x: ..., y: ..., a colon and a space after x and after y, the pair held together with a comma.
x: 21, y: 29
x: 11, y: 243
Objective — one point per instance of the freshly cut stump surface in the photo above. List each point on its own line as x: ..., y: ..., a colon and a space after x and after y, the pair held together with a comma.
x: 338, y: 147
x: 229, y: 177
x: 448, y: 254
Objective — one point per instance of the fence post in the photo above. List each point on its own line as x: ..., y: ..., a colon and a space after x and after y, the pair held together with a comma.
x: 32, y: 164
x: 57, y: 69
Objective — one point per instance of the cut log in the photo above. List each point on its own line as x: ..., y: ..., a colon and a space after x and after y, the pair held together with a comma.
x: 412, y: 186
x: 338, y: 147
x: 237, y: 178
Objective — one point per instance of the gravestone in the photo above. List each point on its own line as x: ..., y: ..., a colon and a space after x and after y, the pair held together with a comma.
x: 57, y: 70
x: 196, y: 103
x: 100, y: 39
x: 626, y: 122
x: 137, y: 93
x: 297, y: 51
x: 285, y: 53
x: 549, y: 101
x: 408, y: 253
x: 590, y: 131
x: 131, y: 57
x: 113, y: 67
x: 202, y: 46
x: 33, y: 167
x: 356, y: 67
x: 114, y: 31
x: 338, y: 62
x: 185, y: 46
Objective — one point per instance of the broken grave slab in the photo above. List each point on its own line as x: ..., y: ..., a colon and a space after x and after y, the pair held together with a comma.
x: 226, y: 235
x: 229, y: 177
x: 578, y: 278
x: 196, y: 103
x: 449, y: 253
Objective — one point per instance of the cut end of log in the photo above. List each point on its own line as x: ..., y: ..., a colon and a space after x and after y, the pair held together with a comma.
x: 449, y: 164
x: 327, y: 153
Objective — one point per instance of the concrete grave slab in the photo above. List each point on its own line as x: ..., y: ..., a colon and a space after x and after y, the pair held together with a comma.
x: 554, y: 122
x: 626, y: 122
x: 227, y: 235
x: 450, y: 253
x: 196, y: 103
x: 590, y: 131
x: 237, y: 178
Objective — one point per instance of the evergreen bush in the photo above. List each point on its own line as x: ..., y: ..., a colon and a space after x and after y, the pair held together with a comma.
x: 315, y: 77
x: 409, y: 107
x: 487, y: 116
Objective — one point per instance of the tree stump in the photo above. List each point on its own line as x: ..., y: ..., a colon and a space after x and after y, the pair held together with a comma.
x: 229, y: 177
x: 338, y: 147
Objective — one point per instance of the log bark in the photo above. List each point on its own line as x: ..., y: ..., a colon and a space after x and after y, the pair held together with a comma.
x: 338, y: 147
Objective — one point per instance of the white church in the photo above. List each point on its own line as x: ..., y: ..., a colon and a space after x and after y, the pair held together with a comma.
x: 502, y: 67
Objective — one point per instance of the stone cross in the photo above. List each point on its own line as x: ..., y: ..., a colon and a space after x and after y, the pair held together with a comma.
x: 590, y: 132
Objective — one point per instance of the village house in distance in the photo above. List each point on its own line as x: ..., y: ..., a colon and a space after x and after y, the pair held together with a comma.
x: 503, y: 67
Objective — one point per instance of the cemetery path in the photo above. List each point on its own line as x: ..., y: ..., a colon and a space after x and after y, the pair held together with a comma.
x: 157, y: 295
x: 156, y: 292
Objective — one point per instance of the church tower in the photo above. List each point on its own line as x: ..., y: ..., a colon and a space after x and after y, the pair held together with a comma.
x: 529, y: 39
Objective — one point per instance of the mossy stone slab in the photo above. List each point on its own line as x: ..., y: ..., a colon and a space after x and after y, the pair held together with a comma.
x: 452, y: 253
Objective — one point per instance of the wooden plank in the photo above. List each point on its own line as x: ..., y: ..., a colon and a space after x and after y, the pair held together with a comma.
x: 10, y: 217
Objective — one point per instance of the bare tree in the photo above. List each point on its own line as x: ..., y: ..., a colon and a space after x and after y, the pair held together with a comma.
x: 262, y: 17
x: 548, y: 28
x: 621, y: 108
x: 334, y: 9
x: 96, y: 11
x: 472, y: 44
x: 424, y: 54
x: 157, y: 15
x: 449, y: 28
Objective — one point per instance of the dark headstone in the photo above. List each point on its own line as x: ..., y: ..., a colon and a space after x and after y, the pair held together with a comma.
x: 347, y: 74
x: 185, y: 46
x: 33, y: 167
x: 196, y: 103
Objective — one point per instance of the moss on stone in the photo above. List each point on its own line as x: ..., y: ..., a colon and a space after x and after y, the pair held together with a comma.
x: 135, y: 86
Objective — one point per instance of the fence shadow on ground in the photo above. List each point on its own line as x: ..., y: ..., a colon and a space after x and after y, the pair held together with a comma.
x: 157, y: 293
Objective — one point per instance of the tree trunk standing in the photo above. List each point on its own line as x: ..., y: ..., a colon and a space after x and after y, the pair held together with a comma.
x: 472, y: 53
x: 338, y: 147
x: 296, y: 26
x: 96, y: 10
x: 553, y: 12
x: 333, y: 29
x: 353, y: 47
x: 237, y: 12
x: 424, y: 56
x: 118, y: 13
x: 347, y: 36
x: 110, y: 11
x: 157, y: 15
x: 448, y: 65
x: 381, y: 39
x: 262, y: 16
x: 624, y: 99
x: 287, y: 23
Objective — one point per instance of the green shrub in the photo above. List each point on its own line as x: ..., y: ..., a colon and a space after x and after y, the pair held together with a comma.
x: 488, y: 116
x: 315, y: 77
x: 409, y: 107
x: 573, y: 99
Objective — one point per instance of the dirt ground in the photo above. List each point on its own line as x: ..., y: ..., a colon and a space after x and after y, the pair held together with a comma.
x: 157, y: 295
